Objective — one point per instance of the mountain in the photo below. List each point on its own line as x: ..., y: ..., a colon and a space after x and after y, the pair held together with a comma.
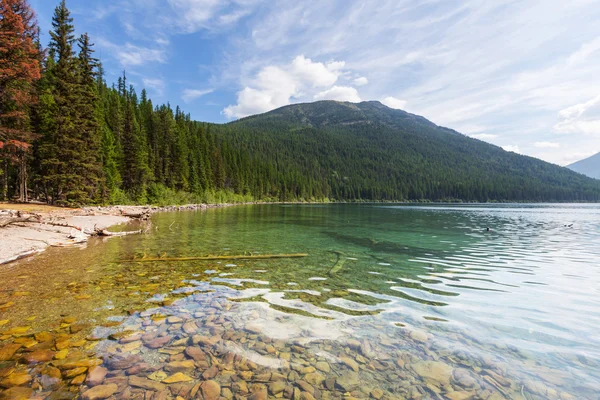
x: 590, y: 166
x: 367, y: 151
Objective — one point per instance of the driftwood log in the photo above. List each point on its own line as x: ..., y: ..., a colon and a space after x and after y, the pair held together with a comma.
x: 143, y: 215
x: 105, y: 233
x: 210, y: 258
x: 13, y: 218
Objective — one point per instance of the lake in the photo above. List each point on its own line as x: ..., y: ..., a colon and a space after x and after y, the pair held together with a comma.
x: 391, y: 302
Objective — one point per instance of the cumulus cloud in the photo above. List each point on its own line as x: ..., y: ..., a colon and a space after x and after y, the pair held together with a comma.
x: 339, y: 93
x: 393, y: 102
x: 546, y: 145
x: 278, y: 85
x: 580, y: 118
x: 512, y: 148
x: 361, y: 81
x: 193, y: 94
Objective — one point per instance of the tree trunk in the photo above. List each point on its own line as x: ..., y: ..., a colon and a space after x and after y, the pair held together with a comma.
x: 5, y: 186
x: 23, y: 178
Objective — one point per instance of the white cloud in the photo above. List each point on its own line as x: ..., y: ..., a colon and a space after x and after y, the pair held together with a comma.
x: 570, y: 158
x: 315, y: 73
x: 193, y: 15
x: 156, y: 85
x: 485, y: 136
x: 339, y: 93
x: 580, y: 118
x: 361, y: 81
x: 546, y: 145
x: 513, y: 148
x: 393, y: 102
x: 193, y: 94
x: 130, y: 55
x: 278, y: 85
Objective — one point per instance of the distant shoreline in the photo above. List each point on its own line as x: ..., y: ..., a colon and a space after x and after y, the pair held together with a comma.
x: 63, y: 227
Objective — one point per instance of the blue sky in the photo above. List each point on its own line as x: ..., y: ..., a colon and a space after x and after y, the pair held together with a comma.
x: 522, y: 74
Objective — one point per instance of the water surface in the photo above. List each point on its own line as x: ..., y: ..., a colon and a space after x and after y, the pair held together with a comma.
x: 392, y: 301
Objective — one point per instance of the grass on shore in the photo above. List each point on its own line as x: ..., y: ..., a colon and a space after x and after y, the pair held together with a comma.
x: 31, y: 207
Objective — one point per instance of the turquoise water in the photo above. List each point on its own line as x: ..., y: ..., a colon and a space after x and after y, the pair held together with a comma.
x: 392, y: 301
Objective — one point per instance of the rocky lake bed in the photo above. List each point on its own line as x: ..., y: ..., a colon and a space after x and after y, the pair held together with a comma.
x: 102, y: 325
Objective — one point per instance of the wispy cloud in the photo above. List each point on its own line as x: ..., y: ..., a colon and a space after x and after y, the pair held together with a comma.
x: 190, y: 95
x: 547, y: 145
x: 485, y: 136
x: 580, y: 118
x: 154, y: 84
x: 130, y: 55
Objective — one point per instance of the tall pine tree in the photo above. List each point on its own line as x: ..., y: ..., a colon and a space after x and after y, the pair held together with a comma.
x: 70, y: 166
x: 88, y: 127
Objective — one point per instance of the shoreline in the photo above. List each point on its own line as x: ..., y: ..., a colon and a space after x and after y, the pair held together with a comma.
x: 64, y: 227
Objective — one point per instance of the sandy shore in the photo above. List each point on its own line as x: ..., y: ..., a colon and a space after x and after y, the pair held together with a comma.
x: 59, y: 227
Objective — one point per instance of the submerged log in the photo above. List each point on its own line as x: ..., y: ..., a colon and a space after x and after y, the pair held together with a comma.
x: 105, y: 233
x: 210, y: 258
x: 339, y: 264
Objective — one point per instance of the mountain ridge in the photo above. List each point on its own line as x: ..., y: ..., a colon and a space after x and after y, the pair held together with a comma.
x: 589, y: 166
x: 353, y: 151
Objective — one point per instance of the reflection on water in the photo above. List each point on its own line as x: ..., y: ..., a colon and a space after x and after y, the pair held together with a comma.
x: 393, y: 302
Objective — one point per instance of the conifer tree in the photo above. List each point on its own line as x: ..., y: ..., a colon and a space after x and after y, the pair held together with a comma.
x: 19, y: 70
x: 87, y: 118
x: 59, y: 148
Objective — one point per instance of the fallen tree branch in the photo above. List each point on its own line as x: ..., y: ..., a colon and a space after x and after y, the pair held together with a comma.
x: 209, y: 258
x: 19, y: 218
x: 136, y: 215
x: 63, y: 225
x: 104, y: 232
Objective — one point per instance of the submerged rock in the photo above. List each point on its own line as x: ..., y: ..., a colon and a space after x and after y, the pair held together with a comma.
x: 38, y: 356
x: 436, y: 371
x: 210, y: 390
x: 348, y: 381
x: 178, y: 378
x: 350, y: 363
x: 100, y: 392
x: 16, y: 393
x: 96, y: 376
x: 16, y: 379
x: 144, y: 383
x: 6, y: 352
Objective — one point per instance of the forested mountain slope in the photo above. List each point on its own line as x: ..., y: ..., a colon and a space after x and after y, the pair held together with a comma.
x: 590, y: 166
x: 368, y: 151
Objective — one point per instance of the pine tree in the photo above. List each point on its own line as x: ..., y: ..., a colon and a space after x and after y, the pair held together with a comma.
x: 87, y: 118
x: 19, y: 70
x: 59, y: 147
